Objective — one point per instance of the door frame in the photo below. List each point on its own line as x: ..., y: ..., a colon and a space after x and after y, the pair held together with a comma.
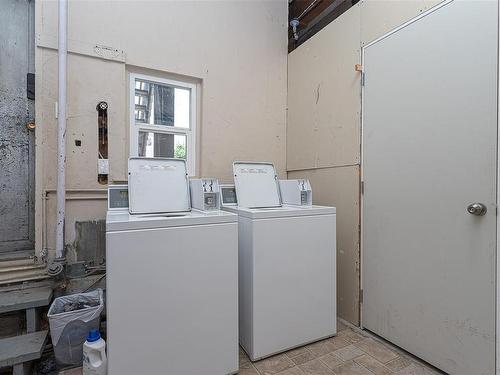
x: 361, y: 247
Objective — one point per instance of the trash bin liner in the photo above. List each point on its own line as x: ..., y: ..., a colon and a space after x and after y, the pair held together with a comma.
x: 71, y: 318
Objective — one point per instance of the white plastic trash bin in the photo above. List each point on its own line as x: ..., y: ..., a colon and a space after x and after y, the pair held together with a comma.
x: 71, y: 318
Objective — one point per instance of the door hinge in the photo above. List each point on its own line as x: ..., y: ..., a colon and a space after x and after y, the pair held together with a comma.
x: 363, y: 78
x: 361, y: 295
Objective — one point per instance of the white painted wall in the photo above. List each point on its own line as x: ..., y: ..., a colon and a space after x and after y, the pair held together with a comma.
x: 236, y: 51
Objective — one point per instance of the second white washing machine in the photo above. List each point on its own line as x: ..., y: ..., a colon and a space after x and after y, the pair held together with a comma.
x: 286, y: 265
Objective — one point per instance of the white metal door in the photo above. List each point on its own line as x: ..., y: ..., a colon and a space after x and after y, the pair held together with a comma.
x: 429, y: 151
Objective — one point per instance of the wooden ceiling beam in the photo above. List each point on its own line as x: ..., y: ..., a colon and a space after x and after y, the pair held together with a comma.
x: 317, y: 21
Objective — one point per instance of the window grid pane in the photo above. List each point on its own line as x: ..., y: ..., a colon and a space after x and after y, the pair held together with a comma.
x: 162, y: 104
x: 165, y: 145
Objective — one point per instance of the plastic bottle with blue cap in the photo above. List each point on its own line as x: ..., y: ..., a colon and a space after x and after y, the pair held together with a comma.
x: 94, y: 354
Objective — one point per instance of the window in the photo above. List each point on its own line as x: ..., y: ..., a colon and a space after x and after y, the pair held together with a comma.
x: 163, y: 119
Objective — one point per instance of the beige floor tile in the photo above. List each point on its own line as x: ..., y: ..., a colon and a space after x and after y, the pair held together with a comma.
x: 303, y: 357
x: 316, y: 367
x: 377, y: 350
x: 349, y: 352
x: 337, y: 342
x: 291, y: 371
x: 415, y: 369
x: 331, y: 360
x: 398, y: 363
x: 247, y: 369
x: 294, y: 352
x: 326, y: 346
x: 351, y: 368
x: 243, y: 356
x: 350, y: 336
x: 373, y: 365
x: 273, y: 365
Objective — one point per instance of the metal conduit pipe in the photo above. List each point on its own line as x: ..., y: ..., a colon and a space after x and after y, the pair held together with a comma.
x: 61, y: 129
x: 57, y: 267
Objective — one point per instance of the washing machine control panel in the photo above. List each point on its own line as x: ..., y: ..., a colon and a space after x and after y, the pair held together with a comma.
x: 205, y: 193
x: 296, y: 192
x: 118, y: 197
x: 228, y: 195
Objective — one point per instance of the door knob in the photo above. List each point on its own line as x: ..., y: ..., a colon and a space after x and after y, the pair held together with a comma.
x: 477, y: 209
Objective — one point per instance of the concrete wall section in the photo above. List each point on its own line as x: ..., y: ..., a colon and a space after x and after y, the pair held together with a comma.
x: 16, y: 141
x: 240, y: 69
x: 324, y: 126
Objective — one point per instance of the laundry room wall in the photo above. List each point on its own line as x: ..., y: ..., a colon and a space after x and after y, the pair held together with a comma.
x: 324, y: 126
x: 235, y: 51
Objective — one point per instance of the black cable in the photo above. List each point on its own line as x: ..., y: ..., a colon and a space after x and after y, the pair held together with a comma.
x: 95, y: 282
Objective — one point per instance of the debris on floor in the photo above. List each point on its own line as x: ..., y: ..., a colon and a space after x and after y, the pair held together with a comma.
x: 46, y: 366
x: 72, y: 306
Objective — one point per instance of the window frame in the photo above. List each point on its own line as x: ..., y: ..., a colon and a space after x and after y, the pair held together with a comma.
x: 189, y: 132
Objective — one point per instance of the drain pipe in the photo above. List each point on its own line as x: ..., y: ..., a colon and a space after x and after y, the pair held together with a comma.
x: 61, y: 133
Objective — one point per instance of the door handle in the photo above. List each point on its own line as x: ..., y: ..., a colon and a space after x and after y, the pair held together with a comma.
x: 477, y: 209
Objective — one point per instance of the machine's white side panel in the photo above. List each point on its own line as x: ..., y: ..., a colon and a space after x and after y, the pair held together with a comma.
x: 172, y: 301
x: 245, y: 278
x: 294, y: 282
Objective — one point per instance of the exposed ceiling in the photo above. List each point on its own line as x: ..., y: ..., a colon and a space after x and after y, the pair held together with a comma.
x: 312, y: 16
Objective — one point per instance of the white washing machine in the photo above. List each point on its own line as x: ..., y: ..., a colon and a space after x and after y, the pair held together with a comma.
x: 287, y: 264
x: 172, y: 278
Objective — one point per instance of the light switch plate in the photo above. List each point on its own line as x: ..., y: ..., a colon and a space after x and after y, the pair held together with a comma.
x: 103, y: 166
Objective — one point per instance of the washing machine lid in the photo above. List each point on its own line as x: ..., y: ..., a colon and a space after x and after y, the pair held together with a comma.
x: 256, y: 185
x: 124, y: 221
x: 281, y: 212
x: 158, y: 185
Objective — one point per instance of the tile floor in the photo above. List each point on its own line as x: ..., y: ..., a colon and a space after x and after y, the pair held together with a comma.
x: 351, y: 352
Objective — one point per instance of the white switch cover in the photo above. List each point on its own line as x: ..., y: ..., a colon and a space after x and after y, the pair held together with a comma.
x: 103, y: 166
